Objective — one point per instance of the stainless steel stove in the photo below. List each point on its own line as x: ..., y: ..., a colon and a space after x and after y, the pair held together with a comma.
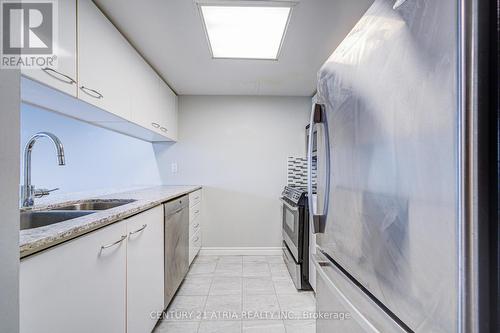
x: 294, y: 194
x: 296, y: 235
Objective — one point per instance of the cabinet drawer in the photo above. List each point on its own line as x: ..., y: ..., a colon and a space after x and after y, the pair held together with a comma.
x: 194, y: 198
x: 195, y: 240
x: 194, y: 227
x: 194, y: 212
x: 194, y: 245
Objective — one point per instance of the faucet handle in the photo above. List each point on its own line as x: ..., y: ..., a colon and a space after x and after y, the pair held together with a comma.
x: 42, y: 192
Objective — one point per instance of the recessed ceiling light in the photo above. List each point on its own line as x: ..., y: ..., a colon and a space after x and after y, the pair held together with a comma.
x: 245, y: 31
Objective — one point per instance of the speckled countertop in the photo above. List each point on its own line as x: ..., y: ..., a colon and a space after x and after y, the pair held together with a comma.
x: 37, y: 239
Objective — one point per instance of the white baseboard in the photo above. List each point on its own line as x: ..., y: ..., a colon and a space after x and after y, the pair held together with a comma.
x: 241, y: 251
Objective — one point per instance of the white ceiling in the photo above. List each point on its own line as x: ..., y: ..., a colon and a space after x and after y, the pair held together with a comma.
x: 170, y: 35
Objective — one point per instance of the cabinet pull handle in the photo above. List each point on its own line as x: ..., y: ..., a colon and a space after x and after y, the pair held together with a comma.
x: 138, y: 230
x: 91, y: 92
x: 197, y: 211
x: 196, y: 225
x: 163, y: 129
x: 58, y: 75
x: 197, y: 239
x: 114, y: 243
x: 155, y: 125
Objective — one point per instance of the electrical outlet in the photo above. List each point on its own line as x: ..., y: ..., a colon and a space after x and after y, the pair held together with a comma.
x: 174, y: 167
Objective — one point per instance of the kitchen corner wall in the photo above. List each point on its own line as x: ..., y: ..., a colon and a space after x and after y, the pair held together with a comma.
x: 96, y: 158
x: 237, y: 148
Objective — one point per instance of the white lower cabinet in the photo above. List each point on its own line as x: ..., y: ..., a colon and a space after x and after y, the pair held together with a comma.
x: 144, y: 270
x: 110, y: 280
x: 195, y: 217
x: 76, y: 287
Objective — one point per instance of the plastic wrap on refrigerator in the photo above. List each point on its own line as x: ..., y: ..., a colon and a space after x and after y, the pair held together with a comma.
x: 390, y: 92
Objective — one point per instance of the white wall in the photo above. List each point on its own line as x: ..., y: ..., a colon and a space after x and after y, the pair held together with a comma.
x: 9, y: 185
x: 96, y: 158
x: 237, y: 147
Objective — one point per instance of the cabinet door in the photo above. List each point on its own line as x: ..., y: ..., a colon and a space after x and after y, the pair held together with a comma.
x: 104, y: 62
x: 144, y: 269
x: 76, y: 287
x: 168, y: 110
x: 146, y: 100
x: 63, y: 76
x: 194, y: 198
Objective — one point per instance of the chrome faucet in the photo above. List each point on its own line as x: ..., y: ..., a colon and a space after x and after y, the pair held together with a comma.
x: 28, y: 191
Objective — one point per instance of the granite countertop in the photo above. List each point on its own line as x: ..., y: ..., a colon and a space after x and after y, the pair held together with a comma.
x: 37, y: 239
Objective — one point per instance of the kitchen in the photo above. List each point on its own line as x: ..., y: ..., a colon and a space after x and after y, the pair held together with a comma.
x: 249, y: 166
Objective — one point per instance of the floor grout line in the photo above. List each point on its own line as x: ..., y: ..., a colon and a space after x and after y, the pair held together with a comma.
x: 242, y: 295
x: 206, y: 299
x: 270, y: 278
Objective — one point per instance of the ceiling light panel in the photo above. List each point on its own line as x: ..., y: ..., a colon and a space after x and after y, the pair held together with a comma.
x: 245, y: 32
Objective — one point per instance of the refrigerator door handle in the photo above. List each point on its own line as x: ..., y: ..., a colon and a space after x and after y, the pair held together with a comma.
x: 318, y: 116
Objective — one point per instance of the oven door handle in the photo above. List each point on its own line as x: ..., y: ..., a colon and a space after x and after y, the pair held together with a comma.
x: 287, y: 205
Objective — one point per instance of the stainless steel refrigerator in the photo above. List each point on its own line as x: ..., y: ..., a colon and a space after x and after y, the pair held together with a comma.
x: 387, y: 214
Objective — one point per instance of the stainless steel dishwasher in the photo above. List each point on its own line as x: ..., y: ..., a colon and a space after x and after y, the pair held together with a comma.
x: 176, y: 245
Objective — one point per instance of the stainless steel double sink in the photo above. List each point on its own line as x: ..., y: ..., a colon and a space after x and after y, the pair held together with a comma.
x: 39, y: 218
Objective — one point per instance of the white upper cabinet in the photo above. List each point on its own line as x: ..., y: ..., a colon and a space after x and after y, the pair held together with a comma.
x: 154, y: 104
x: 145, y: 101
x: 105, y: 60
x: 62, y: 76
x: 100, y: 67
x: 168, y: 110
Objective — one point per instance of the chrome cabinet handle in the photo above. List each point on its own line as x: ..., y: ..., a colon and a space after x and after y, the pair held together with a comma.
x: 318, y: 116
x: 39, y: 193
x: 58, y: 75
x: 91, y: 92
x: 155, y: 125
x: 163, y: 129
x: 294, y: 209
x: 138, y: 230
x: 196, y: 225
x: 114, y: 243
x: 197, y: 211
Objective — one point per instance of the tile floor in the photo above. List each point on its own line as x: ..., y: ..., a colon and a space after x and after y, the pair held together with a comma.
x: 239, y: 294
